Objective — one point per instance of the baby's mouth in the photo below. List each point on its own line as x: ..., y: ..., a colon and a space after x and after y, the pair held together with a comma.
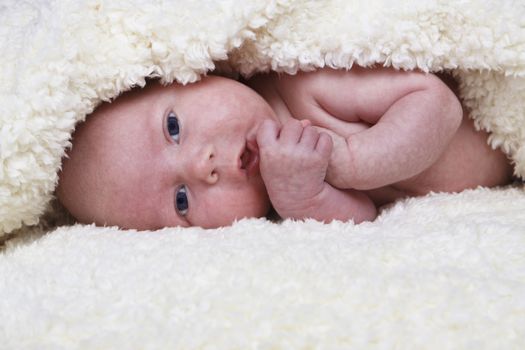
x: 250, y: 158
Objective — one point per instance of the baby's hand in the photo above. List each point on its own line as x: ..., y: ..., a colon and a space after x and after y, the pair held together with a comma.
x: 293, y: 162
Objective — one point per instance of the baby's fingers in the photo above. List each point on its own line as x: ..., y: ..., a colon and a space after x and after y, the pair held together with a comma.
x: 291, y: 132
x: 324, y: 144
x: 309, y: 137
x: 267, y: 133
x: 305, y: 123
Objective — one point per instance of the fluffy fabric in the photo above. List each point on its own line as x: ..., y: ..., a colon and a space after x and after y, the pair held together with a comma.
x: 440, y: 272
x: 444, y: 271
x: 61, y: 58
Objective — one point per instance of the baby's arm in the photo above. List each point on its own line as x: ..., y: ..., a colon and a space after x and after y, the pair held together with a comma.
x: 293, y: 165
x: 412, y: 118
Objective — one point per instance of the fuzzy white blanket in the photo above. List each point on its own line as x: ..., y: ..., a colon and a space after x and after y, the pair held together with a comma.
x: 442, y: 271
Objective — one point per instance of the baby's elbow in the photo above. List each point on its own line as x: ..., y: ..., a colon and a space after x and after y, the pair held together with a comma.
x: 367, y: 214
x: 449, y: 105
x: 364, y: 210
x: 453, y: 108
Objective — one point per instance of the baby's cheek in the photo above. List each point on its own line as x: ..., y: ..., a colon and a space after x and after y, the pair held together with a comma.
x: 254, y: 203
x: 223, y: 207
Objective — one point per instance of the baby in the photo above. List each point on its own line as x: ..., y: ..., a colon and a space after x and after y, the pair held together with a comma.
x: 327, y: 145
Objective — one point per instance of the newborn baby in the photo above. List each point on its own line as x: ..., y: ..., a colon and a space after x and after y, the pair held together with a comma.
x: 327, y: 145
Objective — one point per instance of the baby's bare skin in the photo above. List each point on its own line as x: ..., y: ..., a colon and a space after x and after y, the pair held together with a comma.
x: 326, y: 145
x: 168, y: 156
x: 394, y: 134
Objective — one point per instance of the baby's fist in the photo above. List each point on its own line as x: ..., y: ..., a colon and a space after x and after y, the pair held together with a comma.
x: 295, y: 136
x: 294, y: 160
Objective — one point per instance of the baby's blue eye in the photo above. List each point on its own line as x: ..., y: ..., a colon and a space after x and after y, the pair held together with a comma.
x: 173, y: 126
x: 181, y: 201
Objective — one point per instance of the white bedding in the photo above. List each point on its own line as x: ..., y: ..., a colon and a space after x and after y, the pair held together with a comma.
x: 439, y: 272
x: 445, y: 271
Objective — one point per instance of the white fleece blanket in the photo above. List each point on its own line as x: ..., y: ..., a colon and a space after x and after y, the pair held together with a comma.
x: 440, y: 272
x: 61, y: 58
x: 445, y: 271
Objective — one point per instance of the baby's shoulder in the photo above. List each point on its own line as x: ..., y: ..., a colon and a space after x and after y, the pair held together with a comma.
x: 285, y: 93
x: 303, y: 83
x: 289, y: 84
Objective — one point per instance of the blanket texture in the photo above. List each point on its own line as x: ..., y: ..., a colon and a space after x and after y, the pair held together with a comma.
x: 444, y: 271
x: 61, y: 58
x: 440, y: 272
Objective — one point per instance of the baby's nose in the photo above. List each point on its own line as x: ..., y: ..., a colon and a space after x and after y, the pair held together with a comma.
x: 203, y: 166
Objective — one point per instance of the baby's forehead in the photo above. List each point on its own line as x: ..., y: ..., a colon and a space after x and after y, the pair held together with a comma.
x: 138, y: 95
x: 125, y: 104
x: 134, y: 104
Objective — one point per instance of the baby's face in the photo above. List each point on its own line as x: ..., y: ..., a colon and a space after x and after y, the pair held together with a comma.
x: 169, y: 156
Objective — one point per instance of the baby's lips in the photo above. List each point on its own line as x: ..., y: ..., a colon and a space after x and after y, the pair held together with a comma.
x: 252, y: 145
x: 253, y: 164
x: 250, y: 157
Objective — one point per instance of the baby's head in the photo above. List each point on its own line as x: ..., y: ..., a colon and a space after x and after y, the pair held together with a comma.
x: 168, y: 156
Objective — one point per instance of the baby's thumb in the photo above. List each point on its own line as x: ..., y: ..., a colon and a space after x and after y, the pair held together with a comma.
x: 324, y: 144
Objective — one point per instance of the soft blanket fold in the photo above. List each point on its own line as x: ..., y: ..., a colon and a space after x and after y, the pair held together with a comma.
x: 444, y: 271
x: 440, y: 272
x: 61, y: 58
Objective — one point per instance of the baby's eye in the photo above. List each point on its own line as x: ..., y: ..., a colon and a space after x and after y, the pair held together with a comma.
x: 173, y: 126
x: 181, y: 201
